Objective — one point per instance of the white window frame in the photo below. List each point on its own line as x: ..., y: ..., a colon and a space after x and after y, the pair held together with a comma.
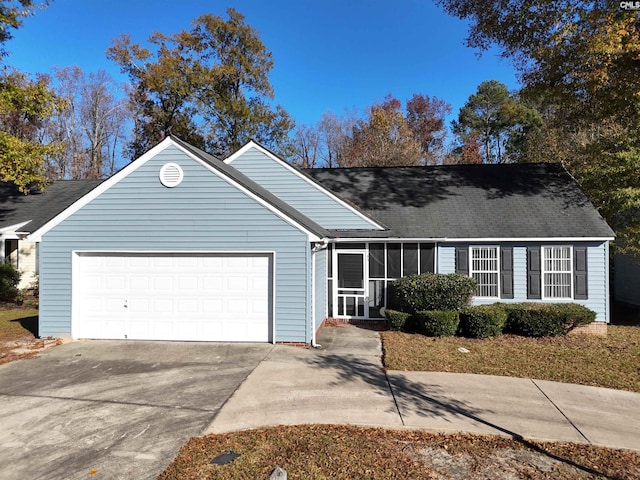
x: 544, y: 271
x: 496, y: 271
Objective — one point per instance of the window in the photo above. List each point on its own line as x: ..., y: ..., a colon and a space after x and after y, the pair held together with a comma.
x: 485, y: 270
x: 557, y: 272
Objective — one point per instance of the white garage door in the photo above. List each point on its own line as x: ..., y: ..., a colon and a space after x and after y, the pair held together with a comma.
x: 199, y: 297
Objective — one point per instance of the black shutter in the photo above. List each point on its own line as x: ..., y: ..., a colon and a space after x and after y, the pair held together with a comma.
x: 506, y: 272
x: 580, y: 273
x: 462, y: 260
x: 534, y: 273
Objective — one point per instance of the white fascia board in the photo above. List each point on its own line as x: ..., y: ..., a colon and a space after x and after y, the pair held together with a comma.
x: 312, y: 236
x: 100, y: 189
x: 470, y: 239
x: 13, y: 228
x: 251, y: 144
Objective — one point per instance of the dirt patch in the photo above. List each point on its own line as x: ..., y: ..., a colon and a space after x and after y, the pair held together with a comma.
x: 25, y: 347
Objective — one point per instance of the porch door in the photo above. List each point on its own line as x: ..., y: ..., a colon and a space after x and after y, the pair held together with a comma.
x: 351, y: 292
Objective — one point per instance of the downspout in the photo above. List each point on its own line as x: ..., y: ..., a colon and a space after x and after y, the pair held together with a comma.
x: 316, y: 248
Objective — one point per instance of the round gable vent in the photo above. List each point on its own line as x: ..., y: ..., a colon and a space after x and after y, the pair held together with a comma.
x: 171, y: 175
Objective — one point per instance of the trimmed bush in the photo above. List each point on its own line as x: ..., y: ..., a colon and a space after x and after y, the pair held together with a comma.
x: 437, y: 323
x: 9, y: 279
x: 546, y: 319
x: 532, y: 320
x: 572, y: 315
x: 482, y: 321
x: 433, y: 291
x: 397, y: 320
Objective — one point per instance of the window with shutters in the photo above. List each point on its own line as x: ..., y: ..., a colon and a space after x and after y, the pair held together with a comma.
x: 557, y: 272
x: 485, y: 270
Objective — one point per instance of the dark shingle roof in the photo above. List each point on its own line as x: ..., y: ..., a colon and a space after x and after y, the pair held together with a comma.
x: 469, y: 201
x: 40, y: 206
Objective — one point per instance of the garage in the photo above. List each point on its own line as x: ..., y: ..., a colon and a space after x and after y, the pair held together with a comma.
x: 173, y: 296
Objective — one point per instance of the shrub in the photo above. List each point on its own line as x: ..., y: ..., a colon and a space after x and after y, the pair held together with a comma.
x: 482, y: 321
x: 9, y: 279
x: 437, y: 323
x: 546, y: 319
x: 532, y: 320
x: 572, y: 315
x: 397, y: 320
x: 433, y: 291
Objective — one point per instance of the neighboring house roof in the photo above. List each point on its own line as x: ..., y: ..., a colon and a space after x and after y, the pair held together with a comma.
x: 39, y: 206
x: 504, y: 201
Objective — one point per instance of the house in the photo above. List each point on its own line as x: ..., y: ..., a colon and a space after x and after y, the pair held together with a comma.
x: 22, y: 214
x: 180, y: 245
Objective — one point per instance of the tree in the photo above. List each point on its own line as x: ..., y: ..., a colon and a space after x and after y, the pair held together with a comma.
x: 581, y: 60
x: 25, y: 106
x: 383, y: 138
x: 12, y: 13
x: 425, y: 117
x: 498, y: 120
x: 89, y: 124
x: 208, y: 85
x: 307, y: 146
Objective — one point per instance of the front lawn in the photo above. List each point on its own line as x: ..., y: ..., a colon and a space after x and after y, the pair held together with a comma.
x: 612, y: 361
x: 17, y: 327
x: 345, y: 452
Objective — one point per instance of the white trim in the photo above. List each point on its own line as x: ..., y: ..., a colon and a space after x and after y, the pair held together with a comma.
x: 497, y: 271
x: 295, y: 171
x: 313, y: 298
x: 466, y: 240
x: 93, y: 194
x: 543, y: 271
x: 76, y: 254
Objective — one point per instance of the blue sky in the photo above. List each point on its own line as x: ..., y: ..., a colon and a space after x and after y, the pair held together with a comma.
x: 329, y: 54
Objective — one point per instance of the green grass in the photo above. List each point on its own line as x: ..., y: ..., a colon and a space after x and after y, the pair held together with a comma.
x: 17, y: 323
x: 612, y: 361
x: 345, y: 452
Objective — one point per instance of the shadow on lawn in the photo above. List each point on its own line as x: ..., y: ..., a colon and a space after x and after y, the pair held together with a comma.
x: 29, y: 323
x: 422, y: 400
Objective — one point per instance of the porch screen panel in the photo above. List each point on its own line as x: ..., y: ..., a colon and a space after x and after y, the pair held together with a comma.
x: 376, y: 297
x: 350, y: 271
x: 427, y: 258
x: 409, y: 259
x: 376, y: 260
x: 394, y: 264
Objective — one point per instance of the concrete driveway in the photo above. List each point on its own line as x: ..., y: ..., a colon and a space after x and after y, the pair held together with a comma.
x: 121, y: 409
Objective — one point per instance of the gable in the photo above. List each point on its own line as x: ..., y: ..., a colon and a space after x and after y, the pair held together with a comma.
x: 143, y: 176
x: 298, y: 190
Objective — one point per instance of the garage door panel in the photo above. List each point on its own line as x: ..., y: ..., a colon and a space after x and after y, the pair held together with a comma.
x: 213, y: 297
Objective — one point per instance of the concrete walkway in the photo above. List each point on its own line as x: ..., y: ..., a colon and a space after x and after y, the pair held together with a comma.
x: 344, y: 383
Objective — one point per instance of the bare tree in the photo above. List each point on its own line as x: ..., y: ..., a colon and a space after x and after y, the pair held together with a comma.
x: 306, y: 147
x: 88, y: 123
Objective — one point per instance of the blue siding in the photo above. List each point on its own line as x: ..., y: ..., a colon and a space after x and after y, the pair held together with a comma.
x: 203, y: 213
x: 287, y: 186
x: 597, y: 266
x: 446, y: 258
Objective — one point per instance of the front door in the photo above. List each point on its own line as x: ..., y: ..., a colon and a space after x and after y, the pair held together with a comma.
x: 351, y: 291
